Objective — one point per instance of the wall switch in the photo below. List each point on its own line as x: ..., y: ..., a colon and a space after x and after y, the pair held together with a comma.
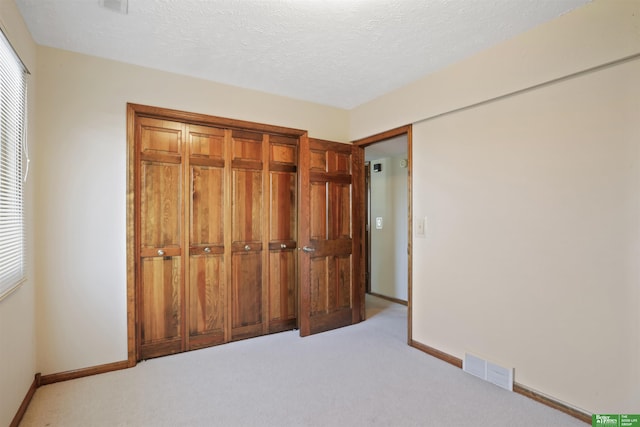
x: 420, y: 227
x: 379, y: 223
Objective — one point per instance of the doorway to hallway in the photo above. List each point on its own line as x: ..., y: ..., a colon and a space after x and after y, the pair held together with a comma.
x: 387, y: 216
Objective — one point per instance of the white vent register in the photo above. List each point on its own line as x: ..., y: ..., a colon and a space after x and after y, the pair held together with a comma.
x: 488, y: 371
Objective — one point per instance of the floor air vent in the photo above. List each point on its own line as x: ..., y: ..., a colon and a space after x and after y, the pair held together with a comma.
x: 496, y: 374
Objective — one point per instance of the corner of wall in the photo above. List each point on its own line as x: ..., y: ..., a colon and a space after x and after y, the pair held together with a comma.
x: 17, y: 311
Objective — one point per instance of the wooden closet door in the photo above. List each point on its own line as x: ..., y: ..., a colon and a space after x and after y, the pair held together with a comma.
x: 207, y: 219
x: 247, y: 216
x: 283, y: 228
x: 214, y: 225
x: 159, y: 246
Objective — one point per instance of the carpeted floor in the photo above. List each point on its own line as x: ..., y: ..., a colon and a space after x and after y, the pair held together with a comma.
x: 362, y: 375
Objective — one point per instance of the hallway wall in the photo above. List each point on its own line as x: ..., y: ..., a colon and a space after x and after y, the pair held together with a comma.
x: 389, y: 259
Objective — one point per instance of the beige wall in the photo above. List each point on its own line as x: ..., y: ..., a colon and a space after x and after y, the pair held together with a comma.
x: 388, y: 248
x: 533, y: 205
x: 530, y: 257
x: 81, y: 189
x: 17, y: 311
x: 602, y: 31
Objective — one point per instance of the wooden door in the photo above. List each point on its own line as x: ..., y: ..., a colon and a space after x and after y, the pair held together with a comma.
x: 213, y: 219
x: 331, y: 282
x: 283, y: 231
x: 159, y: 241
x: 247, y: 232
x: 207, y: 308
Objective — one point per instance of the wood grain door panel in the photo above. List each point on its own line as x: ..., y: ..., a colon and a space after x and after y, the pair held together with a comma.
x: 160, y: 205
x: 246, y: 294
x: 160, y: 184
x: 331, y: 286
x: 283, y: 221
x: 246, y: 213
x: 159, y: 137
x: 207, y: 143
x: 331, y: 275
x: 247, y: 233
x: 282, y: 290
x: 247, y: 146
x: 207, y: 300
x: 161, y: 306
x: 283, y: 230
x: 207, y: 206
x: 207, y: 285
x: 340, y: 211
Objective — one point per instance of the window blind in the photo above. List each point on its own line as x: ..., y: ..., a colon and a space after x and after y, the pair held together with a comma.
x: 13, y: 88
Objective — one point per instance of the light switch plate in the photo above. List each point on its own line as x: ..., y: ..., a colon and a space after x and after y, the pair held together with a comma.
x: 379, y: 223
x: 420, y: 227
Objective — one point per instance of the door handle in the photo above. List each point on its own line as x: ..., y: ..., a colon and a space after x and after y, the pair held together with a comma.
x: 207, y: 250
x: 160, y: 252
x: 308, y: 249
x: 247, y: 247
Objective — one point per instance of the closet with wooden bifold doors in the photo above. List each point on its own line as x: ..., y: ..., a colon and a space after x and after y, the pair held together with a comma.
x: 215, y: 230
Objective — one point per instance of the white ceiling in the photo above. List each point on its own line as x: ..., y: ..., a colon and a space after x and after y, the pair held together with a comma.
x: 393, y: 147
x: 340, y: 53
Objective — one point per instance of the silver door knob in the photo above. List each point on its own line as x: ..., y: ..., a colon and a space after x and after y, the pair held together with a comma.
x: 247, y: 247
x: 207, y: 250
x: 308, y: 249
x: 283, y: 246
x: 160, y: 252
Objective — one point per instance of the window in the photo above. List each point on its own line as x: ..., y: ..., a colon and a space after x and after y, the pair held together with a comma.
x: 13, y: 90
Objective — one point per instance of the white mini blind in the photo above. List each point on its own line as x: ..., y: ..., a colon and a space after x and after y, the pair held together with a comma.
x: 13, y: 91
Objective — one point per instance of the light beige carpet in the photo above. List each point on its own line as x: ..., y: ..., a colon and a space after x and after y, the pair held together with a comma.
x: 362, y: 375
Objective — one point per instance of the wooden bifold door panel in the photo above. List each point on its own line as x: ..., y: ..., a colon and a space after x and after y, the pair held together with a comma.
x: 219, y: 207
x: 206, y: 308
x: 282, y: 225
x: 161, y: 180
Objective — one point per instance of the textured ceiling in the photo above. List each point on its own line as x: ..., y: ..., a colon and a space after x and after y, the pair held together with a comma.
x: 334, y: 52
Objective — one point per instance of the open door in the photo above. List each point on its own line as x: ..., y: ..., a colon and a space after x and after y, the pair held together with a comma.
x: 331, y: 231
